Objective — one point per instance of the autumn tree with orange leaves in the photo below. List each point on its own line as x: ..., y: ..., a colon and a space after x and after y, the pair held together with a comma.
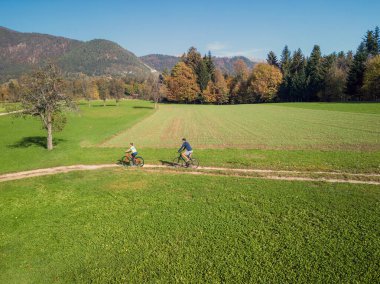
x: 216, y: 92
x: 264, y: 82
x: 182, y: 84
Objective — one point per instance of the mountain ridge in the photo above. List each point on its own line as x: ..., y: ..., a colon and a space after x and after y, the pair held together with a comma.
x: 22, y: 52
x: 160, y: 62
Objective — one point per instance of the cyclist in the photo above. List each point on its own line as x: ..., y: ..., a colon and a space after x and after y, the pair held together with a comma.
x: 188, y: 151
x: 133, y: 152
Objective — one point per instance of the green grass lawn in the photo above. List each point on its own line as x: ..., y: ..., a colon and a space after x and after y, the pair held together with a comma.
x: 89, y: 131
x: 371, y: 108
x: 264, y: 126
x: 134, y: 227
x: 2, y: 108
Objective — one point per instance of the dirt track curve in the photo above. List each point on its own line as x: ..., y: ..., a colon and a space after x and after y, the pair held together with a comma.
x: 332, y: 177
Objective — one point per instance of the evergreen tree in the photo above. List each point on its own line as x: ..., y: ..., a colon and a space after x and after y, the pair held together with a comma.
x: 314, y: 74
x: 192, y: 58
x: 285, y: 69
x: 371, y: 43
x: 210, y: 65
x: 285, y: 60
x: 297, y: 88
x: 356, y: 72
x: 298, y: 62
x: 297, y: 77
x: 203, y: 75
x: 377, y: 39
x: 272, y: 59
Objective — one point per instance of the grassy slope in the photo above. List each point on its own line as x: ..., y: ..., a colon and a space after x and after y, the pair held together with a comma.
x: 119, y: 226
x: 22, y: 146
x: 256, y: 127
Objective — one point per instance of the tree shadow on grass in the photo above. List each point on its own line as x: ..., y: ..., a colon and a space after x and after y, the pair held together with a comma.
x: 146, y: 107
x: 107, y: 105
x: 39, y: 141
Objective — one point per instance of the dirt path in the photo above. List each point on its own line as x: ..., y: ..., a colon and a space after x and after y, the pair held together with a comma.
x: 214, y: 171
x: 12, y: 112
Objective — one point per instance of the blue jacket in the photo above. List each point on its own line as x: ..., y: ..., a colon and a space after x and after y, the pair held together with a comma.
x: 186, y: 146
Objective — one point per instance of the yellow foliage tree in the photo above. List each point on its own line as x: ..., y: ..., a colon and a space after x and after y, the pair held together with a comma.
x: 216, y: 92
x: 209, y: 94
x: 371, y: 83
x: 182, y: 84
x: 93, y: 91
x: 4, y: 93
x: 265, y: 82
x: 241, y: 70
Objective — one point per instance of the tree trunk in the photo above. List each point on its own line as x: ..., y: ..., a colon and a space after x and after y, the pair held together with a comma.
x: 104, y: 103
x: 49, y: 133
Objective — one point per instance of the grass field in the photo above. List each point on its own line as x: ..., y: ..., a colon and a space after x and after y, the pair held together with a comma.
x: 256, y: 127
x: 88, y: 131
x: 135, y: 226
x: 118, y: 226
x: 371, y: 108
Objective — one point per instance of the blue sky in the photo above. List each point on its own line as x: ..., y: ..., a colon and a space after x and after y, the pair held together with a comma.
x: 227, y: 28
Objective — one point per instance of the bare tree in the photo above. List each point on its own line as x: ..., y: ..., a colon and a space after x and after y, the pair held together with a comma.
x: 153, y: 88
x: 85, y: 85
x: 117, y: 90
x: 103, y: 90
x: 156, y: 90
x: 43, y: 95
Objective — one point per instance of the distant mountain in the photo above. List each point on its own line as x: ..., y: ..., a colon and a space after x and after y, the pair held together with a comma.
x: 226, y: 64
x: 161, y: 62
x: 22, y: 52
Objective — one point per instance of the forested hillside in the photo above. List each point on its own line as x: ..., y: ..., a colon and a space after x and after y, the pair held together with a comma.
x: 22, y: 52
x: 161, y: 62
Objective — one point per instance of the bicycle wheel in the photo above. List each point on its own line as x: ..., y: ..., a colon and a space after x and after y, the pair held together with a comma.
x: 194, y: 163
x: 122, y: 161
x: 139, y: 161
x: 178, y: 162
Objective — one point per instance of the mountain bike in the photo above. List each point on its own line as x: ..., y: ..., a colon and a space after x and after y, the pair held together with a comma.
x: 179, y: 162
x: 127, y: 161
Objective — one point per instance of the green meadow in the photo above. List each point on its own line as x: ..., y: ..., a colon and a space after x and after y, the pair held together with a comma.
x: 256, y: 127
x: 246, y: 137
x: 117, y: 226
x: 135, y: 226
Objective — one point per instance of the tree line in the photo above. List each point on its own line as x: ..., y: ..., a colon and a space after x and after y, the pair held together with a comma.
x: 81, y: 86
x: 292, y: 78
x: 195, y: 79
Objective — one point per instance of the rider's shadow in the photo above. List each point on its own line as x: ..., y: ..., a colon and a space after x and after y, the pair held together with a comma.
x: 167, y: 163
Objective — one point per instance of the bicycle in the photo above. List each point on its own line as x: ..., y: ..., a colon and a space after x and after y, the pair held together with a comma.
x: 127, y: 161
x: 180, y: 162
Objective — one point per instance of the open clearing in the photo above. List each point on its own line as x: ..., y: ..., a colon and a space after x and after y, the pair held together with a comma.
x: 267, y: 126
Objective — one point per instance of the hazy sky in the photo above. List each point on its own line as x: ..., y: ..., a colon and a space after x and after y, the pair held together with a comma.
x: 227, y: 28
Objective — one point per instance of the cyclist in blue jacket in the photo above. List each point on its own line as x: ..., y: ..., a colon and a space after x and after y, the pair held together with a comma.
x: 188, y: 150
